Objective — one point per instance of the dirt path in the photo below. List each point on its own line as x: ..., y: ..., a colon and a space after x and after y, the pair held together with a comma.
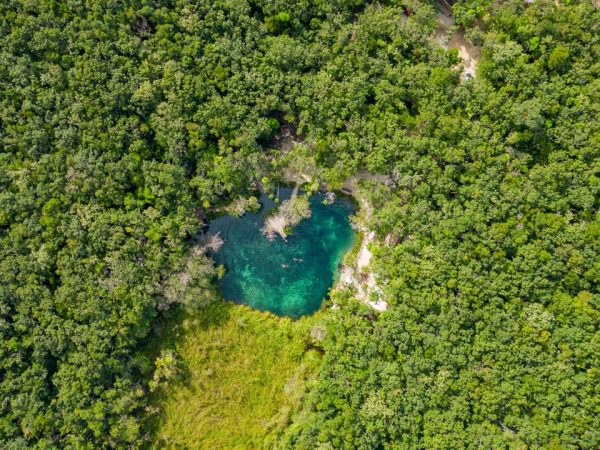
x: 469, y: 53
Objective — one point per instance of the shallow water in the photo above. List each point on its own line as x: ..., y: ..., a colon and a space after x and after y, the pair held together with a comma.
x: 287, y: 278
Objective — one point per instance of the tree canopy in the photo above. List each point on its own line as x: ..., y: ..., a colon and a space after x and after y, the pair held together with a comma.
x: 123, y: 123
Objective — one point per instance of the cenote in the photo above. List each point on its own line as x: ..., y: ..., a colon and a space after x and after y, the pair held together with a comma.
x: 287, y: 278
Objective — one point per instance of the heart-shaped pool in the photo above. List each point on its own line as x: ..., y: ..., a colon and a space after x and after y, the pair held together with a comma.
x: 287, y: 278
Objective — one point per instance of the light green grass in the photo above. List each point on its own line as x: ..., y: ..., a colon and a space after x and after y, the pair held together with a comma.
x: 241, y: 377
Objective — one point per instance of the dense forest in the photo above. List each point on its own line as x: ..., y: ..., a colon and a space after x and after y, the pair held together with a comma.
x: 124, y: 123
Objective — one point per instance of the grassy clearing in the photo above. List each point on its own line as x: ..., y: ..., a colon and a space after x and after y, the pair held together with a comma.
x: 240, y: 378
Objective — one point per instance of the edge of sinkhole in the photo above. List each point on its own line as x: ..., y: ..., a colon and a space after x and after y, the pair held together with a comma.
x: 355, y: 270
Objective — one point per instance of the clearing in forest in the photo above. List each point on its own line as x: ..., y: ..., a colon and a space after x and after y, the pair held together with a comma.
x: 241, y: 375
x: 469, y: 53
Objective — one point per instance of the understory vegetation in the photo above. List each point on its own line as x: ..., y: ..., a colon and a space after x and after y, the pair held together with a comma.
x: 123, y: 124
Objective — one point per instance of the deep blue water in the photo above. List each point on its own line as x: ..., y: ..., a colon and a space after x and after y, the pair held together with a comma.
x: 287, y: 278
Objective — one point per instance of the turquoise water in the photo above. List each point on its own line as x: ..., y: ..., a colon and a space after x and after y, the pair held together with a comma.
x: 287, y: 278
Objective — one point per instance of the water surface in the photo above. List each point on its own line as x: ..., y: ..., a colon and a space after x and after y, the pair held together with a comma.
x: 287, y: 278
